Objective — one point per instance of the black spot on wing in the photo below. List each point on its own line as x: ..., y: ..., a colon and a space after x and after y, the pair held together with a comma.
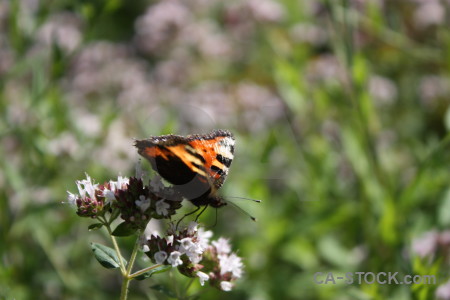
x: 232, y: 149
x: 217, y: 170
x: 224, y: 160
x: 197, y: 166
x: 196, y: 154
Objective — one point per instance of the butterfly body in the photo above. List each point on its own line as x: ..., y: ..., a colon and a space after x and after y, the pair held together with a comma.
x: 196, y: 165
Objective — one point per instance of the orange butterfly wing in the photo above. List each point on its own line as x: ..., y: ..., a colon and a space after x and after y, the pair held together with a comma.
x: 198, y: 164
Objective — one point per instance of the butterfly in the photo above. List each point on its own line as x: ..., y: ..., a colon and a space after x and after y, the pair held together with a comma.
x: 196, y: 165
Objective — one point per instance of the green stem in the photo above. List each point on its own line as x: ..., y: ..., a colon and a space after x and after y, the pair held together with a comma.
x: 119, y: 255
x: 124, y: 290
x: 116, y: 247
x: 188, y: 286
x: 126, y: 275
x: 409, y: 190
x: 140, y: 272
x: 175, y: 285
x: 133, y: 254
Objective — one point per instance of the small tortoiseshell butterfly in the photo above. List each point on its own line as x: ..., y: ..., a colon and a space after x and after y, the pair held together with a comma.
x: 197, y: 165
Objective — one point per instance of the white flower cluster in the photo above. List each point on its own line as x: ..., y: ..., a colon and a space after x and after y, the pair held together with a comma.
x: 194, y: 244
x: 190, y: 249
x: 143, y: 203
x: 190, y: 246
x: 120, y: 184
x: 162, y: 208
x: 85, y: 188
x: 229, y: 263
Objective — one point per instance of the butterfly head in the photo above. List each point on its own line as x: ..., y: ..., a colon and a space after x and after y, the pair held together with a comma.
x: 216, y: 201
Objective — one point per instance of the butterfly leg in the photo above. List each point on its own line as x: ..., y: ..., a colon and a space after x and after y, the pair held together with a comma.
x: 188, y: 214
x: 196, y: 218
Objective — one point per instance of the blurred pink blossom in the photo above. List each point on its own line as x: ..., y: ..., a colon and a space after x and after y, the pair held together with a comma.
x: 27, y: 16
x: 87, y: 122
x: 382, y: 89
x: 116, y: 156
x: 207, y: 38
x: 433, y: 87
x: 109, y: 70
x: 17, y: 112
x: 62, y: 29
x: 309, y: 33
x: 425, y: 245
x: 326, y: 68
x: 160, y: 25
x: 64, y: 144
x: 257, y: 106
x: 211, y: 105
x: 266, y: 10
x: 443, y: 291
x: 7, y: 57
x: 430, y: 12
x: 173, y: 71
x: 4, y: 14
x: 242, y: 19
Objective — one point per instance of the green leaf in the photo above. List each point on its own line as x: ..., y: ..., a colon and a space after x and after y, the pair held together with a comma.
x: 164, y: 290
x: 107, y: 207
x: 113, y: 5
x: 95, y: 226
x: 124, y: 229
x: 115, y: 213
x: 87, y: 11
x: 106, y: 256
x: 157, y: 270
x: 447, y: 119
x: 444, y: 210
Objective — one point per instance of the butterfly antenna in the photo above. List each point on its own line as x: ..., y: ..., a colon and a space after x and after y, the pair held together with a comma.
x: 242, y: 210
x: 215, y: 221
x: 250, y: 199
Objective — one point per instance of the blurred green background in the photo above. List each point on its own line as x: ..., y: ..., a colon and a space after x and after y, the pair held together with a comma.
x: 340, y: 110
